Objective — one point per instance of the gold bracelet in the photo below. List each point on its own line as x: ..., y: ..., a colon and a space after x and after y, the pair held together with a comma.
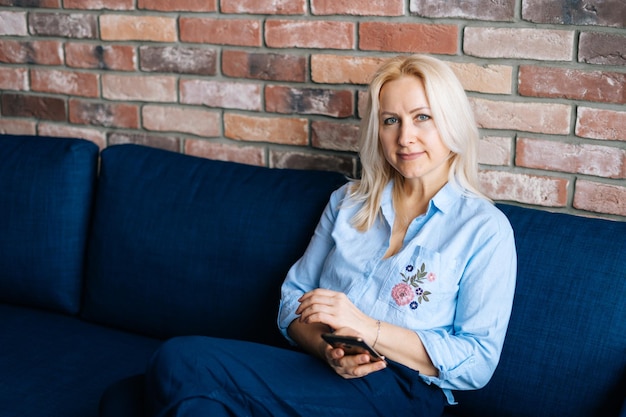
x: 377, y: 332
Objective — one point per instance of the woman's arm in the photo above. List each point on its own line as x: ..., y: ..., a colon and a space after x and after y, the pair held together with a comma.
x: 304, y: 275
x: 467, y: 354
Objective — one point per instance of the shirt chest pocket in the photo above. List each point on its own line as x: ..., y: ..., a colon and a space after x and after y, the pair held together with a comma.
x: 419, y: 281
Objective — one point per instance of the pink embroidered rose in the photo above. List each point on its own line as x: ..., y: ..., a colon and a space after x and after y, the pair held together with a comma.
x: 431, y: 277
x: 402, y: 293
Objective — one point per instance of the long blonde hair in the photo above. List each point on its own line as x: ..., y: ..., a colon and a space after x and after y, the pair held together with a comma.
x: 452, y: 115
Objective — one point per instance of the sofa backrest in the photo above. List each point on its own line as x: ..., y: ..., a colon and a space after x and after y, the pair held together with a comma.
x: 565, y: 350
x: 46, y: 191
x: 186, y: 245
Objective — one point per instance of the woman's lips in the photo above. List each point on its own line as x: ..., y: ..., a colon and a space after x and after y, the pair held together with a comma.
x: 410, y: 156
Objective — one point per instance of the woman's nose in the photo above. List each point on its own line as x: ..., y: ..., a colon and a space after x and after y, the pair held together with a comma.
x: 407, y: 134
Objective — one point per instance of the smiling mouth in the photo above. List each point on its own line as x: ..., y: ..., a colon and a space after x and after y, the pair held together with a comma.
x: 410, y: 156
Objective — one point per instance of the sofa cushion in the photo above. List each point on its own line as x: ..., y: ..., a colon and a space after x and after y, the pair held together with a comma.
x: 565, y: 351
x: 58, y: 365
x: 186, y: 245
x: 46, y: 190
x: 125, y: 398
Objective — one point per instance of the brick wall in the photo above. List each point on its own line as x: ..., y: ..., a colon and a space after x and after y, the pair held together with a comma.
x: 280, y: 83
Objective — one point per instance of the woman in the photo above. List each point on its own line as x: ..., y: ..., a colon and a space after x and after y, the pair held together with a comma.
x: 412, y: 258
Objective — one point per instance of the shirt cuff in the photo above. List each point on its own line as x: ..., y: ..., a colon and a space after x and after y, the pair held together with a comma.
x: 286, y: 314
x: 450, y: 364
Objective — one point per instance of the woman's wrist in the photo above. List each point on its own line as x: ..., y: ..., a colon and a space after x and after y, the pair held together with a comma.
x: 375, y: 332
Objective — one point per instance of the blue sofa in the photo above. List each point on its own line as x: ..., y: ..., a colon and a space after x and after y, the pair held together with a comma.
x: 103, y: 255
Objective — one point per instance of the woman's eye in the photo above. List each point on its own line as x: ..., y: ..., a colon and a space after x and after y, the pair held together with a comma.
x: 422, y: 117
x: 390, y: 120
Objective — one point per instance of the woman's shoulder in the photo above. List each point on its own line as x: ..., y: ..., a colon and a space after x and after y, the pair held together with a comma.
x: 339, y: 196
x: 482, y: 213
x: 497, y: 219
x: 343, y: 193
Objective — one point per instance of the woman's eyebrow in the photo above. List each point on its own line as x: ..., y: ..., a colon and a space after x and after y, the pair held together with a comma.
x: 419, y: 109
x: 410, y: 111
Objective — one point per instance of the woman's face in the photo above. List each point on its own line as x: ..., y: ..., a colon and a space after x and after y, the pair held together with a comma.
x: 408, y: 134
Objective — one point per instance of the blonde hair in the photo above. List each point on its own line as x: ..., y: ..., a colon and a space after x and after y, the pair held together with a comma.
x: 452, y: 115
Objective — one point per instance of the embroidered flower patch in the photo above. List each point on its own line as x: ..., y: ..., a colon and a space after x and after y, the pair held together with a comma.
x: 410, y: 291
x: 402, y: 293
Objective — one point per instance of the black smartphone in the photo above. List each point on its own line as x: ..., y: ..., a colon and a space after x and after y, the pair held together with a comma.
x: 352, y: 345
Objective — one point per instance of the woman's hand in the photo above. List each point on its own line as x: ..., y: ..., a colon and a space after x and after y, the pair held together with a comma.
x: 351, y: 366
x: 336, y: 311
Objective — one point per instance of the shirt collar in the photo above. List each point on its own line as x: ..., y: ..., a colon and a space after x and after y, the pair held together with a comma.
x: 445, y: 198
x: 442, y: 201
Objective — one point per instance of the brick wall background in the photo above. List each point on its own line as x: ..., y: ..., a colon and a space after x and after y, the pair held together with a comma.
x: 280, y: 83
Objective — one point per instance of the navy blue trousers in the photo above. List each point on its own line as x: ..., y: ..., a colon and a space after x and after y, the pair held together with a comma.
x: 203, y: 376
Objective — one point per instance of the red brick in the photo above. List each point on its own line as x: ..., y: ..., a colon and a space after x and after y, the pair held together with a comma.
x: 528, y: 117
x: 358, y: 7
x: 240, y: 32
x: 140, y: 88
x: 490, y: 79
x: 602, y: 48
x: 196, y: 121
x: 65, y: 131
x: 494, y: 150
x: 335, y: 136
x: 601, y: 161
x: 99, y: 4
x: 602, y: 86
x: 343, y: 69
x: 334, y: 103
x: 362, y: 104
x: 408, y: 37
x: 523, y: 188
x: 168, y: 143
x: 13, y: 79
x: 598, y: 12
x: 112, y: 57
x: 288, y: 131
x: 17, y: 127
x: 73, y: 25
x: 264, y: 66
x: 601, y: 124
x: 316, y: 161
x: 502, y: 10
x: 600, y: 198
x: 138, y: 28
x: 31, y: 52
x: 283, y: 7
x: 178, y: 5
x: 521, y: 43
x: 13, y: 23
x: 104, y: 114
x: 64, y: 82
x: 250, y: 155
x: 178, y: 59
x: 230, y: 95
x: 310, y: 34
x: 39, y: 107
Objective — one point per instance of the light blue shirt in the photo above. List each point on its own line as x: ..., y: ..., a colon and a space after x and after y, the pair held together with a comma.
x: 452, y: 282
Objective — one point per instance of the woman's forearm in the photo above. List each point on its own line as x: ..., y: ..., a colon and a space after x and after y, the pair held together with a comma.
x: 309, y: 336
x: 404, y: 346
